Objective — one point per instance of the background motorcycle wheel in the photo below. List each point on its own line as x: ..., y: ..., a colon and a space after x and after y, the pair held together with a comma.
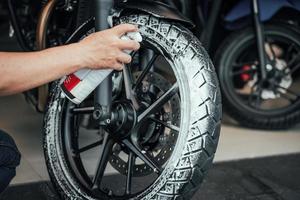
x: 200, y: 115
x: 277, y: 105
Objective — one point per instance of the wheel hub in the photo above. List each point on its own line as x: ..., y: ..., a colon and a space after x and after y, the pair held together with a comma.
x: 123, y: 119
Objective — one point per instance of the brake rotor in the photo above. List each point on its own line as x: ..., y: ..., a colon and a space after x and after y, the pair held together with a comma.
x: 157, y: 140
x: 284, y: 81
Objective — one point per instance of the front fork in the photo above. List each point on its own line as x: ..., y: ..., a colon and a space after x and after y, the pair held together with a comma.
x: 103, y: 93
x: 260, y: 38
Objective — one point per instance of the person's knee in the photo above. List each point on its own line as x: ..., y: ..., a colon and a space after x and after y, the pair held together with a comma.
x: 9, y: 154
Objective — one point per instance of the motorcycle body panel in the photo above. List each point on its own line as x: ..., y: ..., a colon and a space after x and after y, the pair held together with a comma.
x: 156, y: 8
x: 268, y: 8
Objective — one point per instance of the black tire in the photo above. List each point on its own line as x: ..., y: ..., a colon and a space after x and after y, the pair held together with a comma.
x: 272, y: 119
x: 198, y: 138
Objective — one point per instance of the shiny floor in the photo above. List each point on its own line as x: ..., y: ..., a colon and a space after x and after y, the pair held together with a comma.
x: 25, y: 125
x: 268, y: 178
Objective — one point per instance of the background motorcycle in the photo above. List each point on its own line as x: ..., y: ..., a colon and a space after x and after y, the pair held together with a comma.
x: 155, y: 125
x: 257, y: 59
x: 258, y: 66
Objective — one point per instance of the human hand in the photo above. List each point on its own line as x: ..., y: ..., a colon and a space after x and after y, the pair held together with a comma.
x: 105, y: 49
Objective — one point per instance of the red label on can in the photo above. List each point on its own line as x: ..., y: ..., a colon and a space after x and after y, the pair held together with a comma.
x: 71, y: 81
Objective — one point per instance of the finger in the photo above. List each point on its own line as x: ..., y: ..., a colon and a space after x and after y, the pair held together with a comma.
x: 124, y: 28
x: 118, y: 66
x: 124, y: 58
x: 128, y: 45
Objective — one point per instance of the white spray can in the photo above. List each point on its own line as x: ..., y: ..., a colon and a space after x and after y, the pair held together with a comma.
x: 79, y: 85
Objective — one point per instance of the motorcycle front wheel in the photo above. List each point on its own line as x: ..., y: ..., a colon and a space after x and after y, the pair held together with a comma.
x: 164, y: 156
x: 255, y: 103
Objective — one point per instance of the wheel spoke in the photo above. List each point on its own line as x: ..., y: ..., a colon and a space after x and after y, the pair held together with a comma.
x: 128, y: 88
x: 293, y: 69
x: 289, y: 50
x: 159, y: 102
x: 131, y: 161
x: 284, y: 95
x: 145, y: 71
x: 292, y: 93
x: 272, y: 51
x: 90, y: 146
x: 271, y: 56
x: 168, y: 125
x: 293, y: 60
x: 250, y: 98
x: 242, y: 71
x: 258, y: 98
x: 83, y: 110
x: 143, y: 155
x: 288, y: 90
x: 103, y: 160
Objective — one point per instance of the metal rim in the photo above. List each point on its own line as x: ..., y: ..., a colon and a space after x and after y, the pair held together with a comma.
x: 134, y: 150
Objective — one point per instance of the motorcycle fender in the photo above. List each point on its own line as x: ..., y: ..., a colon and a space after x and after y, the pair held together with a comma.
x: 268, y: 8
x: 155, y: 8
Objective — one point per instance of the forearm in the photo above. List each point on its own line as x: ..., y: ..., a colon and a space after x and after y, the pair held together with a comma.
x: 23, y: 71
x: 104, y: 49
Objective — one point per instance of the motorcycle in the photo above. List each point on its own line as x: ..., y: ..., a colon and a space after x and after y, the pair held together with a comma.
x: 155, y: 125
x: 258, y: 66
x: 255, y: 46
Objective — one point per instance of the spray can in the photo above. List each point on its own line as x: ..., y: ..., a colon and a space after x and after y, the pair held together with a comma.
x: 77, y: 86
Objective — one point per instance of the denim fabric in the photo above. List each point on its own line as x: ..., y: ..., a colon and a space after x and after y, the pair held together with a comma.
x: 9, y: 159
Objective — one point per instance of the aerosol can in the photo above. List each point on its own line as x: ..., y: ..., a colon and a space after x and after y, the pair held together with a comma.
x: 79, y: 85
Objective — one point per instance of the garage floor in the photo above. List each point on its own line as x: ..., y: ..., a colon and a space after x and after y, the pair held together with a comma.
x: 272, y: 178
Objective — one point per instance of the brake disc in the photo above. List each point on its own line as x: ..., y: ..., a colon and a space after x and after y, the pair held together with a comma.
x: 156, y: 139
x: 284, y: 81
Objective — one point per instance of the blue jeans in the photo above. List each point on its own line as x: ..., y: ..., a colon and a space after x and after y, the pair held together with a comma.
x: 9, y: 159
